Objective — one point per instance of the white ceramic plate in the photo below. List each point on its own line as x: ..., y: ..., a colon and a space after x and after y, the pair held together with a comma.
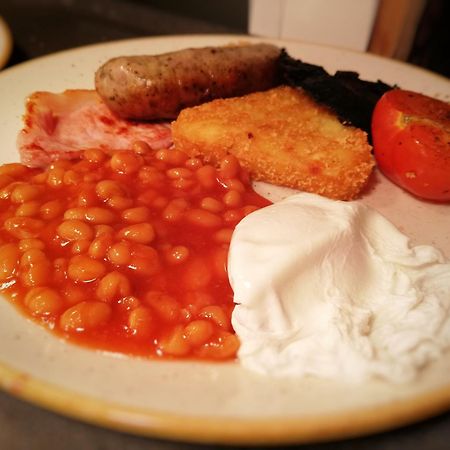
x: 212, y: 402
x: 5, y: 42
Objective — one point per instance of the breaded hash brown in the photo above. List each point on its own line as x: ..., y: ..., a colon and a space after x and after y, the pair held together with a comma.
x: 281, y: 136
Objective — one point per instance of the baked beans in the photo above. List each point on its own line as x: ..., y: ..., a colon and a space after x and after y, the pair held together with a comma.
x: 126, y: 251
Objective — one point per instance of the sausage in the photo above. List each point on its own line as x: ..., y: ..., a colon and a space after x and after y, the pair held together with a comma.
x: 160, y: 86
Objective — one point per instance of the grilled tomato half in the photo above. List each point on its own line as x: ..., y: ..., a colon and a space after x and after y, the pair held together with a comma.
x: 411, y: 140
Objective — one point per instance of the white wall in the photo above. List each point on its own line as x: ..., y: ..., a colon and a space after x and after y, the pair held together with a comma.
x: 341, y: 23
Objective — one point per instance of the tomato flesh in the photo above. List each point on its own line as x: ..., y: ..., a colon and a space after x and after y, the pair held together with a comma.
x: 411, y: 139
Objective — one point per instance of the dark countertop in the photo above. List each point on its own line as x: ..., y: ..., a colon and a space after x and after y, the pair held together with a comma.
x: 34, y: 26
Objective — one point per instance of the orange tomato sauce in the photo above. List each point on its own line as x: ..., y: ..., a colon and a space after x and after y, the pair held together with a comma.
x: 126, y: 251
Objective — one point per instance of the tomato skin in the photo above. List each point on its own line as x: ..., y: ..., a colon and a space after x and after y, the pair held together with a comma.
x: 411, y: 140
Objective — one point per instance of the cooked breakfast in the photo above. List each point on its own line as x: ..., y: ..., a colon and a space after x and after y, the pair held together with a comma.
x: 116, y: 227
x: 280, y: 136
x: 160, y: 86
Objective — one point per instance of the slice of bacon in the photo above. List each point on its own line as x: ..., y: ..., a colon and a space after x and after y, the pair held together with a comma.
x: 61, y: 125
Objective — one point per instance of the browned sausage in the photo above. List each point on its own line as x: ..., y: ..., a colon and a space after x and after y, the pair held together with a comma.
x: 158, y: 87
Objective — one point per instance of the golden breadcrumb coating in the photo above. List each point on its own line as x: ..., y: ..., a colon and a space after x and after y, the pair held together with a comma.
x: 281, y: 136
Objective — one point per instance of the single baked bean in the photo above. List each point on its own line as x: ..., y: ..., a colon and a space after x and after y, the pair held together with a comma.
x: 220, y: 261
x: 178, y: 172
x: 229, y: 167
x: 5, y: 180
x: 183, y: 183
x: 73, y: 294
x: 38, y: 274
x: 98, y: 215
x: 106, y: 189
x: 60, y: 164
x: 75, y: 213
x: 175, y: 344
x: 117, y: 202
x: 203, y: 218
x: 87, y: 197
x: 14, y: 170
x: 217, y: 315
x: 232, y: 199
x: 193, y: 163
x: 207, y: 176
x: 136, y: 215
x: 145, y: 264
x: 128, y: 303
x: 141, y: 321
x: 148, y: 175
x: 9, y: 260
x: 120, y: 253
x: 198, y: 332
x: 32, y: 256
x: 51, y: 210
x: 74, y: 229
x: 43, y: 301
x: 85, y: 315
x: 85, y: 269
x: 196, y: 300
x: 71, y: 177
x: 141, y: 148
x: 60, y: 266
x: 224, y: 346
x: 177, y: 254
x: 174, y: 211
x: 211, y: 204
x: 232, y: 216
x: 55, y: 177
x: 98, y: 248
x: 28, y: 209
x: 101, y: 230
x: 40, y: 178
x: 80, y: 246
x: 234, y: 184
x: 28, y: 244
x: 113, y: 286
x: 82, y: 166
x: 5, y: 193
x: 23, y: 227
x: 94, y: 155
x: 223, y: 236
x: 126, y: 162
x: 141, y: 233
x: 25, y: 192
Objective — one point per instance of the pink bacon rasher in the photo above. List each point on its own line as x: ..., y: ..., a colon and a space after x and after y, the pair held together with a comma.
x: 60, y: 125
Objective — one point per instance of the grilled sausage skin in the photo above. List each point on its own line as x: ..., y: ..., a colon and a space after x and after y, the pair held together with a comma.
x: 160, y: 86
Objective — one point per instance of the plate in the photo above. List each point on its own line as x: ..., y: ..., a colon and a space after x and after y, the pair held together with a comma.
x: 203, y: 402
x: 5, y: 42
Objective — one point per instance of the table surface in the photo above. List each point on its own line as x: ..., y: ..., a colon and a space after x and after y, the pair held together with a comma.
x: 34, y: 25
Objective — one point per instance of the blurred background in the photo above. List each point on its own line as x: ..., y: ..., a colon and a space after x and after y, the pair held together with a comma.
x: 411, y: 30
